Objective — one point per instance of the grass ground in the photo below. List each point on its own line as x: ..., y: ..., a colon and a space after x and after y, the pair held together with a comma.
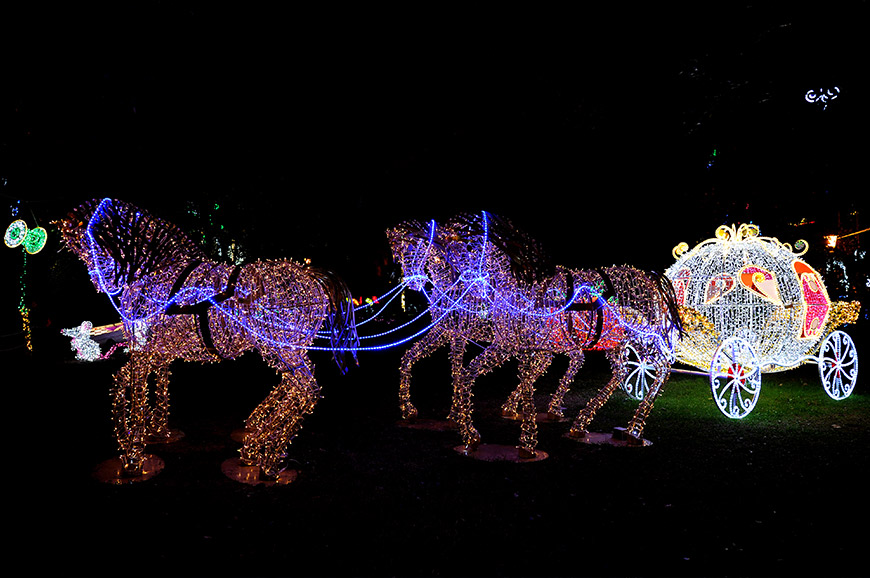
x: 777, y: 493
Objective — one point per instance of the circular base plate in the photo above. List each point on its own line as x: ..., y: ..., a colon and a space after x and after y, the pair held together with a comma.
x: 235, y: 470
x: 540, y: 417
x: 608, y: 439
x: 428, y: 424
x: 499, y: 453
x: 170, y: 436
x: 112, y: 471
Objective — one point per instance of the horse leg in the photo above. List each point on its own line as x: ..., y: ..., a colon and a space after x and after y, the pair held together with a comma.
x: 575, y: 362
x: 254, y: 422
x: 261, y: 421
x: 158, y: 422
x: 492, y: 357
x: 457, y: 354
x: 129, y: 413
x: 425, y: 346
x: 587, y: 414
x: 532, y: 367
x: 510, y: 407
x: 636, y: 425
x: 295, y: 397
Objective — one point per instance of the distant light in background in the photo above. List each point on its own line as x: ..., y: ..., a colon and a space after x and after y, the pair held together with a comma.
x: 822, y: 96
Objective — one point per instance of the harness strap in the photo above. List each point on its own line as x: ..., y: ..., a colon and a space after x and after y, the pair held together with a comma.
x: 179, y: 283
x: 201, y: 309
x: 593, y: 306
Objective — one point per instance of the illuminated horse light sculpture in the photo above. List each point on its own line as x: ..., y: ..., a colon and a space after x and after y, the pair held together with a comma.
x: 446, y: 257
x: 608, y: 309
x: 176, y: 304
x: 564, y: 313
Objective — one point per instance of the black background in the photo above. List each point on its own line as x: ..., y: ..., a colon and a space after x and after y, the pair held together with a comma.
x: 313, y: 130
x: 590, y: 128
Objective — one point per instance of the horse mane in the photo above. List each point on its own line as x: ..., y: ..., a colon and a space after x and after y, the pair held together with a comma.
x: 666, y: 289
x: 137, y: 242
x: 416, y: 231
x: 528, y: 261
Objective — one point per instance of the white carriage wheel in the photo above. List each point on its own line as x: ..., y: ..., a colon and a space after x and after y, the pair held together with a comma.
x: 640, y: 374
x: 735, y: 377
x: 838, y: 365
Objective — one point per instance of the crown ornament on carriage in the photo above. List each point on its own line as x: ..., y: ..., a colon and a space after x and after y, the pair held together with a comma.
x: 746, y: 231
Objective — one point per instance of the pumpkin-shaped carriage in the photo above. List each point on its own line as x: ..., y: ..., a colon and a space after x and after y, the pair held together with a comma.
x: 750, y: 305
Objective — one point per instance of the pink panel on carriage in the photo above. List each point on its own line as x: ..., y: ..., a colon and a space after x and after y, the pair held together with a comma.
x: 681, y: 285
x: 816, y: 299
x: 718, y: 286
x: 761, y: 282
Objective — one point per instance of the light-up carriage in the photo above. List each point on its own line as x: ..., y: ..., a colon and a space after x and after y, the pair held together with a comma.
x: 750, y: 305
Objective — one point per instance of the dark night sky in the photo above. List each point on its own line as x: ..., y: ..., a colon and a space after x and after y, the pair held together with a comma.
x: 591, y: 128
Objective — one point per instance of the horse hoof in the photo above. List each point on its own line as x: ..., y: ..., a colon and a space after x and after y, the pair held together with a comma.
x: 526, y: 453
x: 634, y: 440
x: 472, y: 442
x: 269, y: 476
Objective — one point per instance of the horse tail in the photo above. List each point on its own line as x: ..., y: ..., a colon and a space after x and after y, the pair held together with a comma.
x: 665, y: 288
x: 340, y: 318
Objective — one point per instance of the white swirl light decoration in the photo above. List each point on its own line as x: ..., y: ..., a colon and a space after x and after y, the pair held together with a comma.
x: 822, y: 96
x: 740, y: 285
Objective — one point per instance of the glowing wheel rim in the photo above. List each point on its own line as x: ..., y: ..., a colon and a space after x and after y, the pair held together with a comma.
x: 838, y: 365
x: 735, y: 377
x: 641, y: 374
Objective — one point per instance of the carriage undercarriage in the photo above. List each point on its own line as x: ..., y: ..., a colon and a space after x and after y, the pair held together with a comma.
x: 735, y: 372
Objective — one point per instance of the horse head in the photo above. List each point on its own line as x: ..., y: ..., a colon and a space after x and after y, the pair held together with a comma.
x: 74, y: 236
x: 416, y: 248
x: 72, y: 228
x: 121, y: 243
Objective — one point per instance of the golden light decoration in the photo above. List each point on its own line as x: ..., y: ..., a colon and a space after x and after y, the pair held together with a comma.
x: 751, y: 305
x: 485, y: 281
x: 177, y: 304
